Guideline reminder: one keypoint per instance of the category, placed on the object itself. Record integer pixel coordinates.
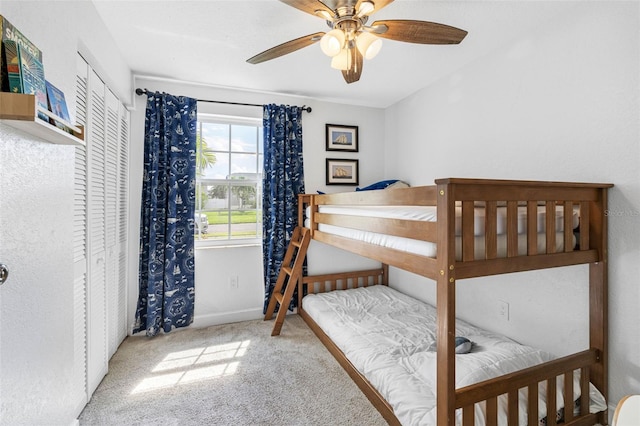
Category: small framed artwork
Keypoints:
(342, 172)
(342, 138)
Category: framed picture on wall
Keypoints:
(342, 172)
(342, 138)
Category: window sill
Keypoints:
(226, 245)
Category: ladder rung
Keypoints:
(287, 270)
(296, 243)
(278, 297)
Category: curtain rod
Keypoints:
(141, 92)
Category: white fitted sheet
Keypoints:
(389, 337)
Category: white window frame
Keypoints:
(231, 120)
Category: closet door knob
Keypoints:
(4, 273)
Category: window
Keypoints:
(229, 180)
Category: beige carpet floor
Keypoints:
(232, 374)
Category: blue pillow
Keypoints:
(378, 185)
(463, 345)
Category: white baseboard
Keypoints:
(202, 321)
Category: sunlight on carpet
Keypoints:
(190, 365)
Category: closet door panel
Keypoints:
(97, 359)
(112, 149)
(80, 240)
(123, 214)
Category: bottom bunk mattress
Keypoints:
(390, 338)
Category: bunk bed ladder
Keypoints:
(288, 277)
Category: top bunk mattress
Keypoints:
(391, 338)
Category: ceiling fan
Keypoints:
(350, 39)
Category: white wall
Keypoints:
(560, 104)
(571, 87)
(215, 301)
(36, 315)
(36, 239)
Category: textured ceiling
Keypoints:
(209, 41)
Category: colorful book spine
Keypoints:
(12, 58)
(9, 32)
(33, 81)
(57, 105)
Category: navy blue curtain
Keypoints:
(283, 180)
(166, 277)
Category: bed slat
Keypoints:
(468, 415)
(491, 231)
(551, 401)
(584, 226)
(492, 412)
(532, 228)
(468, 231)
(512, 228)
(550, 226)
(568, 402)
(532, 404)
(567, 214)
(584, 391)
(512, 408)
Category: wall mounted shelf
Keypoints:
(19, 111)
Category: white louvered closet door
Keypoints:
(123, 227)
(112, 149)
(101, 225)
(80, 241)
(116, 292)
(97, 358)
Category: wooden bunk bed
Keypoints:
(455, 236)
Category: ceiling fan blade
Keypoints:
(309, 6)
(352, 74)
(284, 48)
(420, 32)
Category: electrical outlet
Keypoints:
(233, 281)
(503, 310)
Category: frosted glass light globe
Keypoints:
(368, 44)
(331, 43)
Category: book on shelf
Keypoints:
(9, 32)
(33, 81)
(12, 58)
(57, 105)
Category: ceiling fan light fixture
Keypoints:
(365, 8)
(332, 42)
(368, 44)
(341, 60)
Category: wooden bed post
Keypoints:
(598, 297)
(385, 274)
(446, 305)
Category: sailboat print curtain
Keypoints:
(166, 277)
(283, 180)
